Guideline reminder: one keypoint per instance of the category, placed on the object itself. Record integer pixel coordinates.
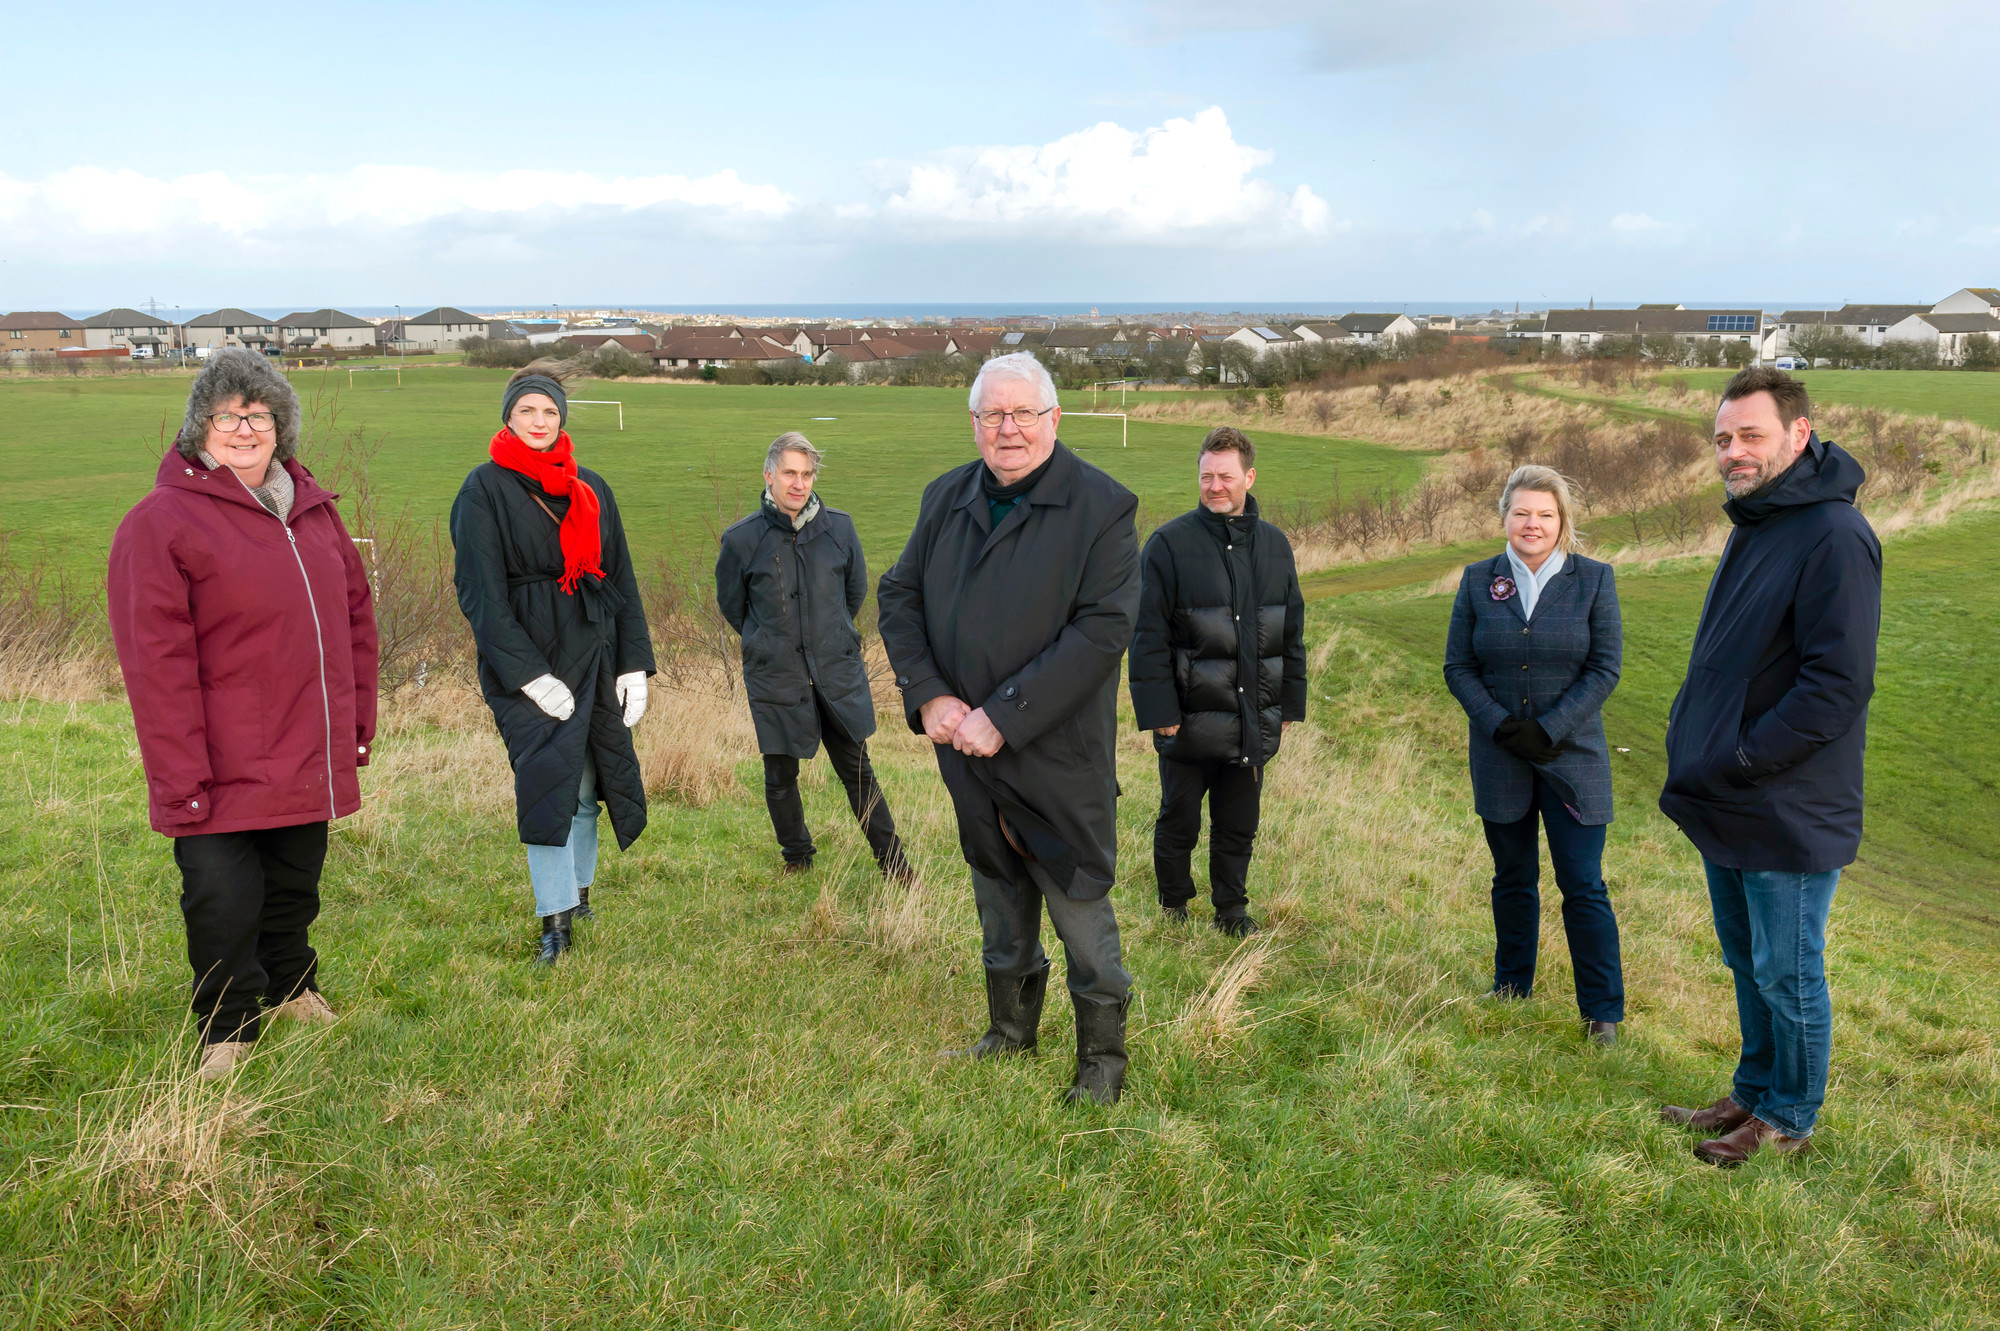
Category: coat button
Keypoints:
(1524, 667)
(903, 682)
(1021, 706)
(1007, 692)
(194, 804)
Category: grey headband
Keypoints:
(535, 383)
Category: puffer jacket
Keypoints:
(792, 593)
(248, 647)
(1204, 577)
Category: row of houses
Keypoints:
(137, 333)
(1945, 326)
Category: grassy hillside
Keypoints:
(687, 463)
(726, 1108)
(1950, 393)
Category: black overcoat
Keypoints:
(1766, 737)
(792, 593)
(1203, 576)
(1556, 667)
(509, 558)
(1027, 620)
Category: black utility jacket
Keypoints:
(1204, 578)
(525, 626)
(1027, 620)
(1765, 741)
(793, 594)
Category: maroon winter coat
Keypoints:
(248, 648)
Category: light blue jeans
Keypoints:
(558, 871)
(1772, 927)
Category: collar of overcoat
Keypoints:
(1561, 586)
(179, 473)
(1052, 491)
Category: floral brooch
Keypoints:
(1502, 589)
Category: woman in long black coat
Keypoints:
(545, 579)
(1533, 651)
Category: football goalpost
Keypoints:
(602, 402)
(1119, 416)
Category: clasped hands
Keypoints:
(948, 720)
(1527, 741)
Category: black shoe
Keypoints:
(555, 937)
(896, 869)
(1014, 1014)
(1100, 1052)
(799, 866)
(1174, 914)
(1601, 1032)
(1236, 926)
(583, 910)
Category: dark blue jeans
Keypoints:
(1577, 852)
(1772, 927)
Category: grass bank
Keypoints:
(726, 1109)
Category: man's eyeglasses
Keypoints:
(227, 421)
(1024, 417)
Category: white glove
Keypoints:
(632, 696)
(552, 696)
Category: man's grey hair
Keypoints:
(1020, 366)
(231, 373)
(791, 441)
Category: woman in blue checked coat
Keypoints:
(1532, 654)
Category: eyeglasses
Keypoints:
(1024, 417)
(227, 421)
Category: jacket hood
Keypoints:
(1824, 471)
(1220, 524)
(180, 473)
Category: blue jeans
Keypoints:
(558, 871)
(1577, 853)
(1772, 927)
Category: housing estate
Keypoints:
(137, 333)
(324, 330)
(27, 331)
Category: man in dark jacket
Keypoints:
(1004, 620)
(790, 579)
(1764, 748)
(1218, 671)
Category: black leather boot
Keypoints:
(1100, 1051)
(555, 937)
(583, 910)
(1014, 1014)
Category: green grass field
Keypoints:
(688, 462)
(1951, 393)
(726, 1110)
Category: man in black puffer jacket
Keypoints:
(1764, 748)
(1218, 671)
(790, 579)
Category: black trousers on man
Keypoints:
(864, 796)
(1234, 794)
(248, 899)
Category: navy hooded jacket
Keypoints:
(1765, 740)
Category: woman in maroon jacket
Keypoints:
(246, 633)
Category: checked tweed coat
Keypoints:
(1557, 668)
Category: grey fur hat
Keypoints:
(232, 373)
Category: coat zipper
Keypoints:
(319, 635)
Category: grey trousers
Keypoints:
(1010, 920)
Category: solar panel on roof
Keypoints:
(1732, 323)
(1267, 334)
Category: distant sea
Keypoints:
(806, 310)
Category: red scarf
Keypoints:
(555, 471)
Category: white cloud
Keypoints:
(1185, 180)
(75, 212)
(1344, 35)
(1643, 228)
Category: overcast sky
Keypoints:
(1177, 151)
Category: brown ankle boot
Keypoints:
(1722, 1116)
(1733, 1148)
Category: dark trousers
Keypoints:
(248, 899)
(1010, 926)
(864, 796)
(1235, 793)
(1577, 852)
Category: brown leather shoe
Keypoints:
(1722, 1116)
(1733, 1148)
(1601, 1032)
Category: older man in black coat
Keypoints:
(1005, 620)
(1218, 671)
(1764, 748)
(789, 579)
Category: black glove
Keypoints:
(1527, 741)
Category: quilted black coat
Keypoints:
(792, 593)
(525, 626)
(1027, 620)
(1204, 578)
